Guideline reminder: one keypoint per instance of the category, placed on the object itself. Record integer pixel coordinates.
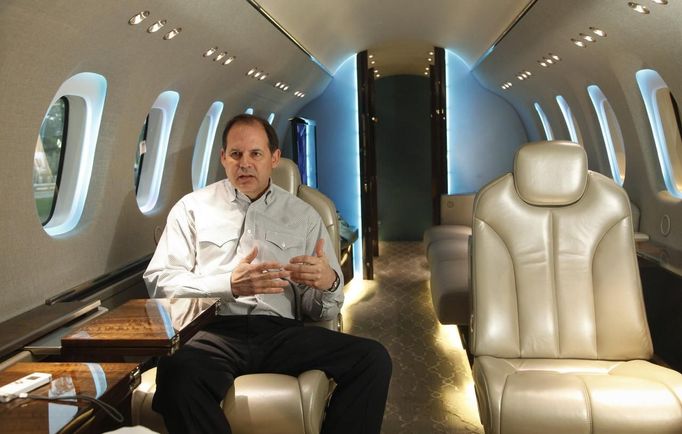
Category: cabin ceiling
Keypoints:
(399, 33)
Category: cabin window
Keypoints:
(271, 118)
(571, 123)
(664, 117)
(545, 122)
(61, 173)
(151, 150)
(48, 159)
(203, 145)
(610, 130)
(249, 111)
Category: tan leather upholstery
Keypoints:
(447, 251)
(267, 403)
(256, 404)
(558, 315)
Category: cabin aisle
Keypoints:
(431, 388)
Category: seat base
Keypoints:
(565, 396)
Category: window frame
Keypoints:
(602, 108)
(203, 145)
(571, 123)
(544, 120)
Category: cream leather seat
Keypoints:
(267, 403)
(559, 332)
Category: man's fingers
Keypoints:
(250, 257)
(265, 266)
(319, 248)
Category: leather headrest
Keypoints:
(286, 175)
(550, 173)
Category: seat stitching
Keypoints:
(552, 263)
(588, 402)
(516, 284)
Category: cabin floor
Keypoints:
(431, 390)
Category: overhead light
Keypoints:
(257, 74)
(251, 71)
(210, 51)
(528, 73)
(542, 63)
(638, 8)
(548, 60)
(588, 38)
(520, 77)
(372, 62)
(220, 56)
(430, 59)
(660, 2)
(430, 53)
(555, 57)
(156, 26)
(426, 73)
(371, 56)
(229, 60)
(378, 76)
(263, 77)
(173, 33)
(427, 68)
(598, 32)
(579, 43)
(137, 19)
(285, 88)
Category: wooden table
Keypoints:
(109, 382)
(148, 327)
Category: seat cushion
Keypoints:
(538, 396)
(258, 403)
(459, 235)
(450, 290)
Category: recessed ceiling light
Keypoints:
(373, 62)
(588, 38)
(378, 75)
(426, 73)
(542, 63)
(579, 43)
(263, 77)
(137, 19)
(520, 77)
(548, 60)
(598, 32)
(173, 33)
(220, 56)
(555, 57)
(430, 53)
(660, 2)
(229, 60)
(285, 88)
(430, 59)
(257, 74)
(371, 56)
(156, 26)
(251, 71)
(528, 73)
(639, 8)
(210, 51)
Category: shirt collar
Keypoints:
(234, 195)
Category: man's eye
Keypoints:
(257, 154)
(235, 155)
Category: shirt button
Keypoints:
(284, 245)
(248, 231)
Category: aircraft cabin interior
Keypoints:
(501, 182)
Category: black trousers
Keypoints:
(191, 383)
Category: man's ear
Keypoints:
(275, 158)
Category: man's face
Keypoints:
(247, 159)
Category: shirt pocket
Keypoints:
(286, 242)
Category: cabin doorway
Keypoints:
(403, 149)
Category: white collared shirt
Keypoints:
(210, 230)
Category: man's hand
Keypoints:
(313, 271)
(263, 278)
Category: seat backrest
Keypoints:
(287, 176)
(456, 209)
(554, 268)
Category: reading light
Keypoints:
(371, 56)
(543, 64)
(156, 26)
(285, 88)
(520, 77)
(229, 60)
(588, 38)
(137, 19)
(210, 51)
(548, 60)
(430, 53)
(639, 8)
(251, 71)
(660, 2)
(173, 33)
(257, 74)
(528, 73)
(580, 44)
(378, 76)
(555, 57)
(372, 62)
(430, 59)
(426, 73)
(220, 56)
(263, 77)
(598, 32)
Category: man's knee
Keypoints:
(381, 359)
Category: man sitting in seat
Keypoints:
(255, 246)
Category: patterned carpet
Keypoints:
(431, 388)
